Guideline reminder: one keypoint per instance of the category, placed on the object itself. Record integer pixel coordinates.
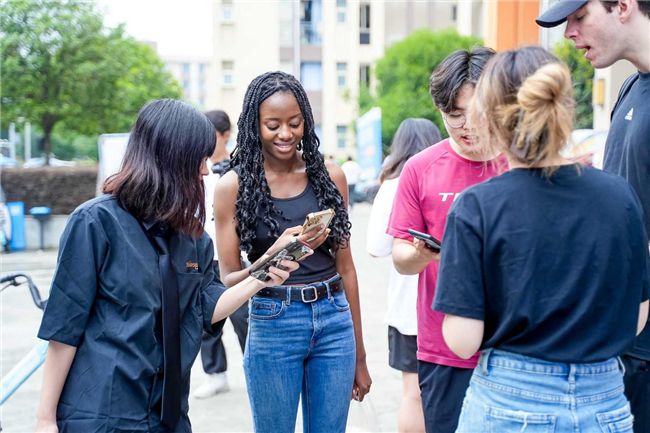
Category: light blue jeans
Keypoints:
(515, 393)
(296, 348)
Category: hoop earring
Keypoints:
(299, 145)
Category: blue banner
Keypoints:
(369, 154)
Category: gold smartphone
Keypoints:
(323, 217)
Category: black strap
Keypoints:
(171, 392)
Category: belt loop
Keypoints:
(288, 296)
(483, 361)
(621, 366)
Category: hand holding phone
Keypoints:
(294, 250)
(323, 218)
(432, 243)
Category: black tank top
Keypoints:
(317, 267)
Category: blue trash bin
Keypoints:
(17, 215)
(41, 214)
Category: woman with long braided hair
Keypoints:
(305, 337)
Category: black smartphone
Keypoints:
(432, 243)
(294, 250)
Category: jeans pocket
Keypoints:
(340, 301)
(506, 421)
(266, 308)
(616, 421)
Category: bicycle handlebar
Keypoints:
(12, 279)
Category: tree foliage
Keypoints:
(61, 68)
(582, 75)
(403, 78)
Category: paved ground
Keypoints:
(227, 412)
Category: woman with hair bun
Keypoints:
(544, 268)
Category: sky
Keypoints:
(179, 27)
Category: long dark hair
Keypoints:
(412, 136)
(254, 196)
(160, 174)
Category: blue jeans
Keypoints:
(296, 348)
(515, 393)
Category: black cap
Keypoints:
(558, 13)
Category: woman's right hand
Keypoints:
(46, 426)
(279, 274)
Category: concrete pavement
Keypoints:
(227, 412)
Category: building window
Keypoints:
(185, 67)
(341, 136)
(227, 72)
(311, 18)
(340, 10)
(364, 24)
(454, 13)
(311, 75)
(226, 12)
(341, 75)
(364, 76)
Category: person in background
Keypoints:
(134, 287)
(544, 268)
(428, 185)
(610, 31)
(305, 338)
(213, 352)
(412, 136)
(352, 171)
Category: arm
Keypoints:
(235, 296)
(225, 196)
(410, 258)
(57, 364)
(463, 335)
(345, 267)
(378, 243)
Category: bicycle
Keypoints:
(35, 357)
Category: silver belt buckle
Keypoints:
(308, 300)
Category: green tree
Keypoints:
(582, 75)
(403, 78)
(61, 68)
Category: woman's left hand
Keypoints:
(315, 236)
(362, 381)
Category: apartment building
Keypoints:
(330, 45)
(192, 75)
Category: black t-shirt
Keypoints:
(555, 267)
(627, 153)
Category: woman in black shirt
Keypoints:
(544, 268)
(134, 287)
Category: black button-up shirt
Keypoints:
(106, 300)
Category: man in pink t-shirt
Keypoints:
(429, 183)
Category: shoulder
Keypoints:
(428, 157)
(228, 183)
(607, 184)
(99, 206)
(335, 172)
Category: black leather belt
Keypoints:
(307, 293)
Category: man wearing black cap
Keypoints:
(610, 31)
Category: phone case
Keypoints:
(294, 250)
(323, 217)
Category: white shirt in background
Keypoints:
(210, 182)
(402, 289)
